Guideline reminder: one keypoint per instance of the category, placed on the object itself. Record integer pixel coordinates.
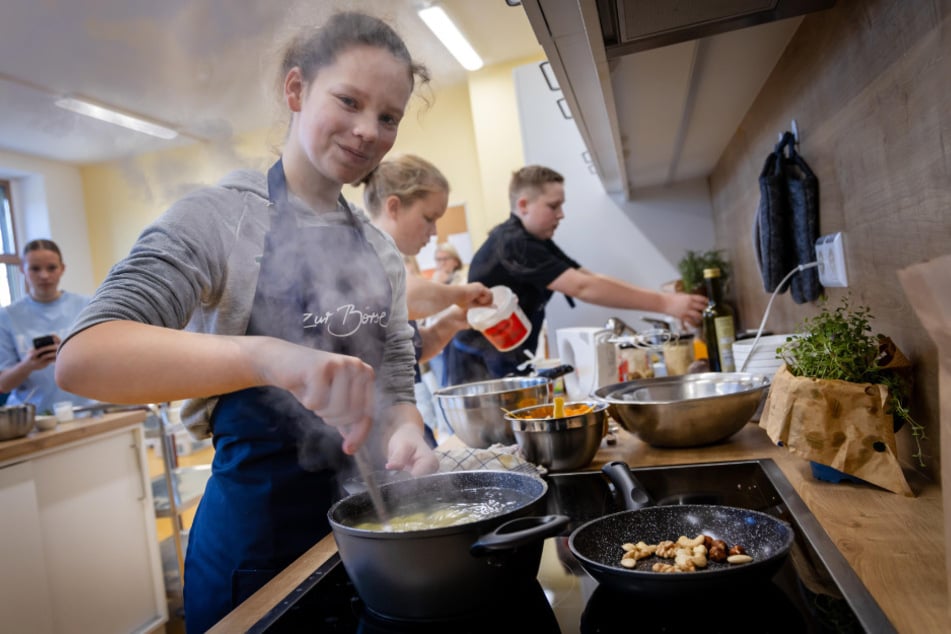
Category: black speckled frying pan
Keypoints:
(597, 544)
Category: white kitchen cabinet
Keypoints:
(78, 541)
(23, 581)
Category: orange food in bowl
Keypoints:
(548, 411)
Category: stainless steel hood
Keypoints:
(630, 26)
(658, 88)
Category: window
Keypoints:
(11, 282)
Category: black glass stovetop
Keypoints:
(814, 592)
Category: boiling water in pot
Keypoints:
(442, 513)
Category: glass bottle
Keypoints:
(719, 328)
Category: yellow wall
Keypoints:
(498, 140)
(122, 197)
(470, 131)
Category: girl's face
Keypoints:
(413, 225)
(447, 262)
(347, 116)
(541, 214)
(43, 270)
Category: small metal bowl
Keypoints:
(475, 410)
(559, 444)
(16, 421)
(691, 410)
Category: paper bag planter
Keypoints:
(841, 424)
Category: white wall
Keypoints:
(637, 241)
(48, 203)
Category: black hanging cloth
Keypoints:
(787, 221)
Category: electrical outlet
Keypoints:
(830, 252)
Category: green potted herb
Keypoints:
(693, 263)
(841, 395)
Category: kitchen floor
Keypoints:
(164, 529)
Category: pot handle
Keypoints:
(630, 488)
(521, 531)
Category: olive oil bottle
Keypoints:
(719, 327)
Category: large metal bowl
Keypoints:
(475, 411)
(560, 444)
(685, 411)
(16, 420)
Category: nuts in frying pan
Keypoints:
(717, 553)
(688, 554)
(635, 552)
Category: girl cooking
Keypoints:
(280, 313)
(406, 196)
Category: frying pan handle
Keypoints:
(521, 531)
(634, 494)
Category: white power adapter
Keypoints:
(830, 253)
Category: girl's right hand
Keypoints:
(474, 294)
(39, 358)
(338, 388)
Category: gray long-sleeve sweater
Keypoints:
(196, 267)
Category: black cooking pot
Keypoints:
(597, 544)
(447, 572)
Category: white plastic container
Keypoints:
(763, 359)
(63, 411)
(503, 323)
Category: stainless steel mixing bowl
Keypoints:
(475, 411)
(560, 444)
(16, 420)
(685, 411)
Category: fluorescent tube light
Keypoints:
(117, 118)
(440, 24)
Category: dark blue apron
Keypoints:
(273, 474)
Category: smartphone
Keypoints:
(42, 342)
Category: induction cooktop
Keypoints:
(815, 590)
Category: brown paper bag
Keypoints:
(837, 423)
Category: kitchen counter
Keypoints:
(37, 442)
(894, 543)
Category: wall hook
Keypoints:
(795, 132)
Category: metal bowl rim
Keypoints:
(591, 418)
(450, 391)
(603, 393)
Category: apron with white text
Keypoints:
(273, 474)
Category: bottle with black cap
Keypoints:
(719, 327)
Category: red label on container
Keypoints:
(507, 334)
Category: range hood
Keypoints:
(630, 26)
(657, 88)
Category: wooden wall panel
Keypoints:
(869, 83)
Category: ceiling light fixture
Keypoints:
(96, 111)
(440, 24)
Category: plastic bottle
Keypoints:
(719, 327)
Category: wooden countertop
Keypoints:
(894, 543)
(41, 441)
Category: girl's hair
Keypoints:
(42, 245)
(408, 177)
(317, 47)
(531, 178)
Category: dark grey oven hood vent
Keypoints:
(630, 26)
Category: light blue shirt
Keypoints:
(20, 323)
